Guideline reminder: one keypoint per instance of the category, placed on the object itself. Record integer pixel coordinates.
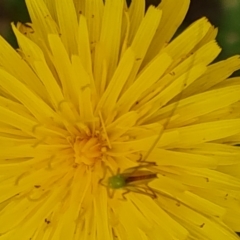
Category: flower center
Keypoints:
(87, 150)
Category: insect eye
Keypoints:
(117, 181)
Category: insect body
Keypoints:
(134, 179)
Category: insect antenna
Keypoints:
(177, 79)
(175, 100)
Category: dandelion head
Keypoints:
(112, 127)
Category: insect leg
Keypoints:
(141, 161)
(142, 190)
(105, 173)
(110, 192)
(143, 165)
(124, 193)
(141, 158)
(147, 164)
(151, 190)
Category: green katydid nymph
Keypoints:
(133, 179)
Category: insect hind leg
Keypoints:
(148, 164)
(151, 190)
(148, 191)
(145, 163)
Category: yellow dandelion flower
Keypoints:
(99, 90)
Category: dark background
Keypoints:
(224, 14)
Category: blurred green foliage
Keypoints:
(229, 34)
